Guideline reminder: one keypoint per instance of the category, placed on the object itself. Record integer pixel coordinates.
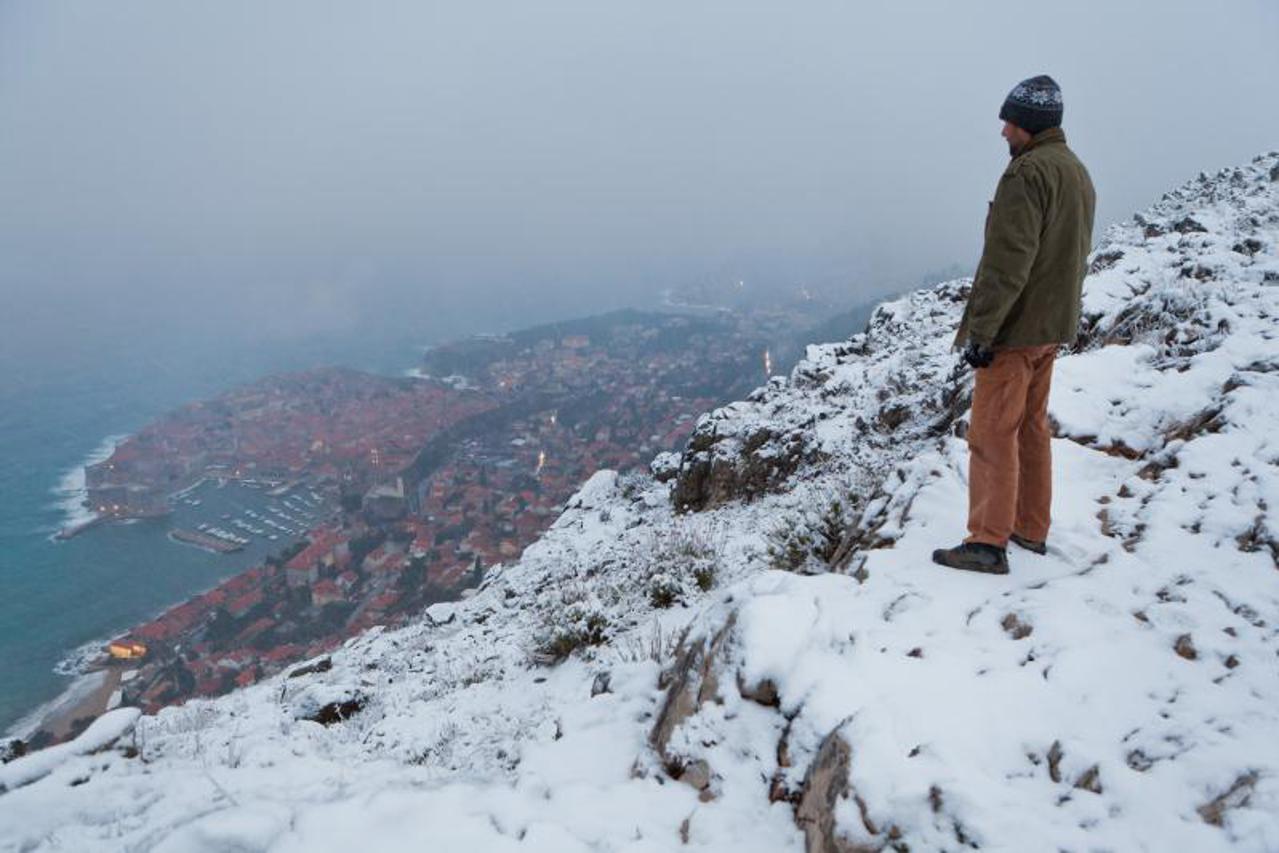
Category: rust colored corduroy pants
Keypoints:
(1009, 447)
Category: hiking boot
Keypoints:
(973, 557)
(1029, 544)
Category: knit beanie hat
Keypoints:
(1033, 105)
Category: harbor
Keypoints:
(233, 519)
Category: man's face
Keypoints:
(1015, 137)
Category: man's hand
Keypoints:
(978, 356)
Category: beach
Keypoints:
(86, 698)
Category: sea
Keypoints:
(61, 600)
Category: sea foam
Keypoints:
(79, 660)
(70, 492)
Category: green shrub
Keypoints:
(807, 541)
(664, 591)
(575, 627)
(704, 576)
(683, 560)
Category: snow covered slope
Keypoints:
(751, 650)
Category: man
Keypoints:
(1024, 303)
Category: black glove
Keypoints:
(978, 356)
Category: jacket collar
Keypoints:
(1044, 137)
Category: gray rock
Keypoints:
(321, 665)
(1236, 796)
(698, 774)
(1015, 627)
(665, 467)
(826, 784)
(1090, 780)
(691, 681)
(765, 692)
(718, 467)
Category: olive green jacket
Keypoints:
(1038, 234)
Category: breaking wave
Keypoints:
(78, 660)
(70, 492)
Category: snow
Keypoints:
(1119, 693)
(441, 613)
(101, 733)
(1089, 676)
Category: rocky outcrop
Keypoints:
(721, 465)
(1155, 275)
(689, 683)
(825, 786)
(856, 403)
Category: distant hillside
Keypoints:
(841, 326)
(476, 353)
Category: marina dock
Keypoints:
(204, 540)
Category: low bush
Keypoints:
(807, 541)
(580, 625)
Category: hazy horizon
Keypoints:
(285, 171)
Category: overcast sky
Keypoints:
(292, 168)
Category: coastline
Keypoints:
(91, 703)
(53, 430)
(91, 695)
(86, 665)
(70, 492)
(87, 696)
(93, 676)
